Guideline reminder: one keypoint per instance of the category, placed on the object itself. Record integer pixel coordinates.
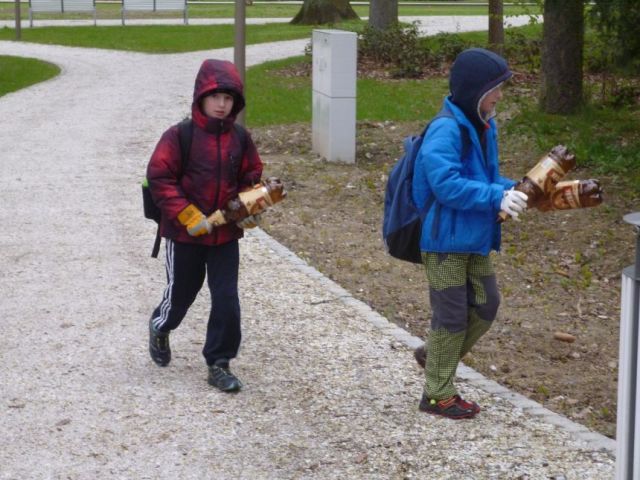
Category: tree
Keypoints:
(496, 26)
(18, 21)
(562, 43)
(617, 22)
(316, 12)
(383, 13)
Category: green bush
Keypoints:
(397, 46)
(448, 46)
(522, 49)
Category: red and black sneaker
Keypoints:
(454, 407)
(466, 404)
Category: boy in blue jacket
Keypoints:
(457, 173)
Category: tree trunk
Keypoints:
(562, 44)
(317, 12)
(496, 26)
(383, 13)
(18, 21)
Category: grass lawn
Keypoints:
(605, 138)
(156, 38)
(18, 72)
(274, 98)
(258, 10)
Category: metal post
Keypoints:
(628, 421)
(239, 48)
(18, 21)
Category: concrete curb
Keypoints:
(593, 439)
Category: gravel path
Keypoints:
(331, 391)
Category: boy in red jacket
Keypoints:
(221, 164)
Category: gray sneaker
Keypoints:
(221, 377)
(159, 347)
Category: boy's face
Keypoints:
(217, 105)
(490, 100)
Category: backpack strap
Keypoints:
(243, 137)
(466, 145)
(185, 136)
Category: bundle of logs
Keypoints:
(250, 202)
(546, 191)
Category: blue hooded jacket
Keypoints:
(458, 174)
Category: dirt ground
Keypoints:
(558, 271)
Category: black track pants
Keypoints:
(186, 266)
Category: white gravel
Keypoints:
(331, 391)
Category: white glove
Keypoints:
(513, 203)
(251, 221)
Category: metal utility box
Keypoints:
(628, 419)
(334, 95)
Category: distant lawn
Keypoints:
(18, 72)
(157, 38)
(260, 10)
(274, 98)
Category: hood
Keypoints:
(475, 72)
(218, 75)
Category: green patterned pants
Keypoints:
(464, 301)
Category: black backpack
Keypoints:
(185, 135)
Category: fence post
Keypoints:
(628, 418)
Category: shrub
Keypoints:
(397, 46)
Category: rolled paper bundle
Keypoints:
(573, 194)
(541, 180)
(250, 202)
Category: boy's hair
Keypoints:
(228, 91)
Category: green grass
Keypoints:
(604, 138)
(276, 99)
(273, 98)
(257, 10)
(17, 73)
(157, 39)
(399, 100)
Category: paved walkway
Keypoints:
(331, 389)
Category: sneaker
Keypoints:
(159, 348)
(420, 355)
(455, 407)
(472, 405)
(221, 377)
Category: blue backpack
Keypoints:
(402, 221)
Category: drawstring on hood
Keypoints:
(474, 73)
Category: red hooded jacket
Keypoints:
(216, 171)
